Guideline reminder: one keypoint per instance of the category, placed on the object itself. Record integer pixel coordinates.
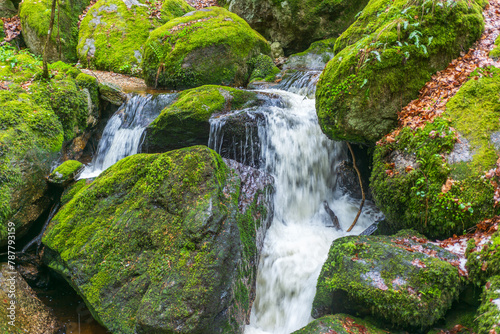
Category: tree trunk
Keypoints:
(45, 49)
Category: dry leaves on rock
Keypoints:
(11, 27)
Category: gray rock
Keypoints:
(112, 93)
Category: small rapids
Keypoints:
(303, 162)
(122, 134)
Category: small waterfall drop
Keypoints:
(122, 134)
(303, 162)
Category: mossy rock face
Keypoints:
(30, 315)
(314, 58)
(409, 174)
(186, 121)
(263, 69)
(483, 259)
(488, 315)
(72, 190)
(296, 23)
(340, 324)
(113, 33)
(208, 46)
(7, 9)
(33, 126)
(65, 173)
(495, 53)
(35, 19)
(385, 58)
(157, 244)
(392, 278)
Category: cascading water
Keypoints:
(122, 134)
(303, 162)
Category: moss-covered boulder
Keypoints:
(34, 123)
(495, 53)
(427, 180)
(340, 324)
(404, 280)
(157, 244)
(35, 19)
(112, 93)
(314, 58)
(64, 174)
(28, 314)
(488, 315)
(295, 24)
(263, 69)
(113, 33)
(208, 46)
(483, 258)
(186, 121)
(7, 9)
(384, 59)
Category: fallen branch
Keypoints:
(360, 184)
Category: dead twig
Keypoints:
(360, 184)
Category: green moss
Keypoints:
(385, 58)
(72, 190)
(181, 235)
(186, 122)
(66, 172)
(263, 69)
(488, 315)
(495, 53)
(174, 8)
(483, 262)
(35, 18)
(340, 324)
(92, 85)
(2, 34)
(378, 275)
(211, 46)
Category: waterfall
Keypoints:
(122, 134)
(303, 162)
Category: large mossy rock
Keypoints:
(208, 46)
(186, 121)
(428, 180)
(157, 244)
(28, 314)
(35, 19)
(295, 24)
(488, 315)
(402, 279)
(483, 258)
(113, 33)
(385, 58)
(33, 126)
(7, 9)
(339, 324)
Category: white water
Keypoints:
(122, 135)
(302, 160)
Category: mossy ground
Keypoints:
(35, 19)
(186, 121)
(413, 197)
(384, 59)
(212, 46)
(378, 275)
(34, 123)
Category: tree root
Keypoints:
(360, 184)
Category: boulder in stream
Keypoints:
(208, 46)
(186, 121)
(30, 315)
(339, 324)
(384, 58)
(163, 243)
(403, 279)
(66, 173)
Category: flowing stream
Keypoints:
(303, 162)
(122, 134)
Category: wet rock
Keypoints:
(186, 121)
(407, 281)
(66, 173)
(209, 46)
(462, 151)
(166, 247)
(314, 58)
(31, 315)
(277, 50)
(340, 324)
(112, 93)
